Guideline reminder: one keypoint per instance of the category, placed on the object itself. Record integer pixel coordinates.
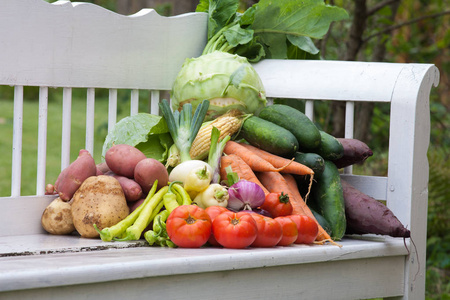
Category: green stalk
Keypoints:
(215, 152)
(145, 217)
(212, 44)
(183, 127)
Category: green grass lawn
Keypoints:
(30, 137)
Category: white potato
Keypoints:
(100, 200)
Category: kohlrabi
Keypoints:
(281, 29)
(227, 80)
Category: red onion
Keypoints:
(245, 195)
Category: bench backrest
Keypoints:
(80, 45)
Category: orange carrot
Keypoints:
(256, 162)
(241, 168)
(288, 165)
(276, 182)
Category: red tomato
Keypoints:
(189, 226)
(213, 212)
(270, 231)
(307, 229)
(290, 231)
(277, 204)
(234, 230)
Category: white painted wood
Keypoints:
(309, 109)
(66, 127)
(330, 80)
(22, 215)
(408, 170)
(298, 281)
(154, 102)
(134, 104)
(100, 266)
(112, 109)
(374, 186)
(349, 127)
(16, 177)
(90, 116)
(42, 141)
(93, 47)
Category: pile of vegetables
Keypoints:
(220, 167)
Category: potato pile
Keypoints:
(102, 194)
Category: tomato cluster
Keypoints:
(190, 226)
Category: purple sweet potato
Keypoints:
(355, 151)
(131, 188)
(123, 158)
(147, 171)
(365, 215)
(71, 178)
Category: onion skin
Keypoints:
(245, 195)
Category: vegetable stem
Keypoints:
(109, 233)
(183, 126)
(145, 217)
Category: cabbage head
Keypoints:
(227, 80)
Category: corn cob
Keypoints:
(228, 124)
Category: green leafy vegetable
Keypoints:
(149, 133)
(268, 28)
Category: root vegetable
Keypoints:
(71, 178)
(103, 168)
(131, 188)
(100, 200)
(147, 171)
(123, 158)
(355, 151)
(365, 214)
(57, 217)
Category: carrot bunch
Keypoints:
(272, 172)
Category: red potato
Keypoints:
(131, 188)
(355, 151)
(147, 171)
(365, 214)
(103, 167)
(50, 189)
(123, 158)
(71, 178)
(133, 205)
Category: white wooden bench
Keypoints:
(79, 45)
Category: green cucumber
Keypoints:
(321, 220)
(328, 195)
(330, 148)
(269, 137)
(312, 160)
(304, 130)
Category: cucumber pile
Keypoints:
(285, 131)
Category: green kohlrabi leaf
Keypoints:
(220, 12)
(149, 133)
(248, 16)
(297, 21)
(236, 35)
(303, 42)
(295, 52)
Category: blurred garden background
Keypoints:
(403, 31)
